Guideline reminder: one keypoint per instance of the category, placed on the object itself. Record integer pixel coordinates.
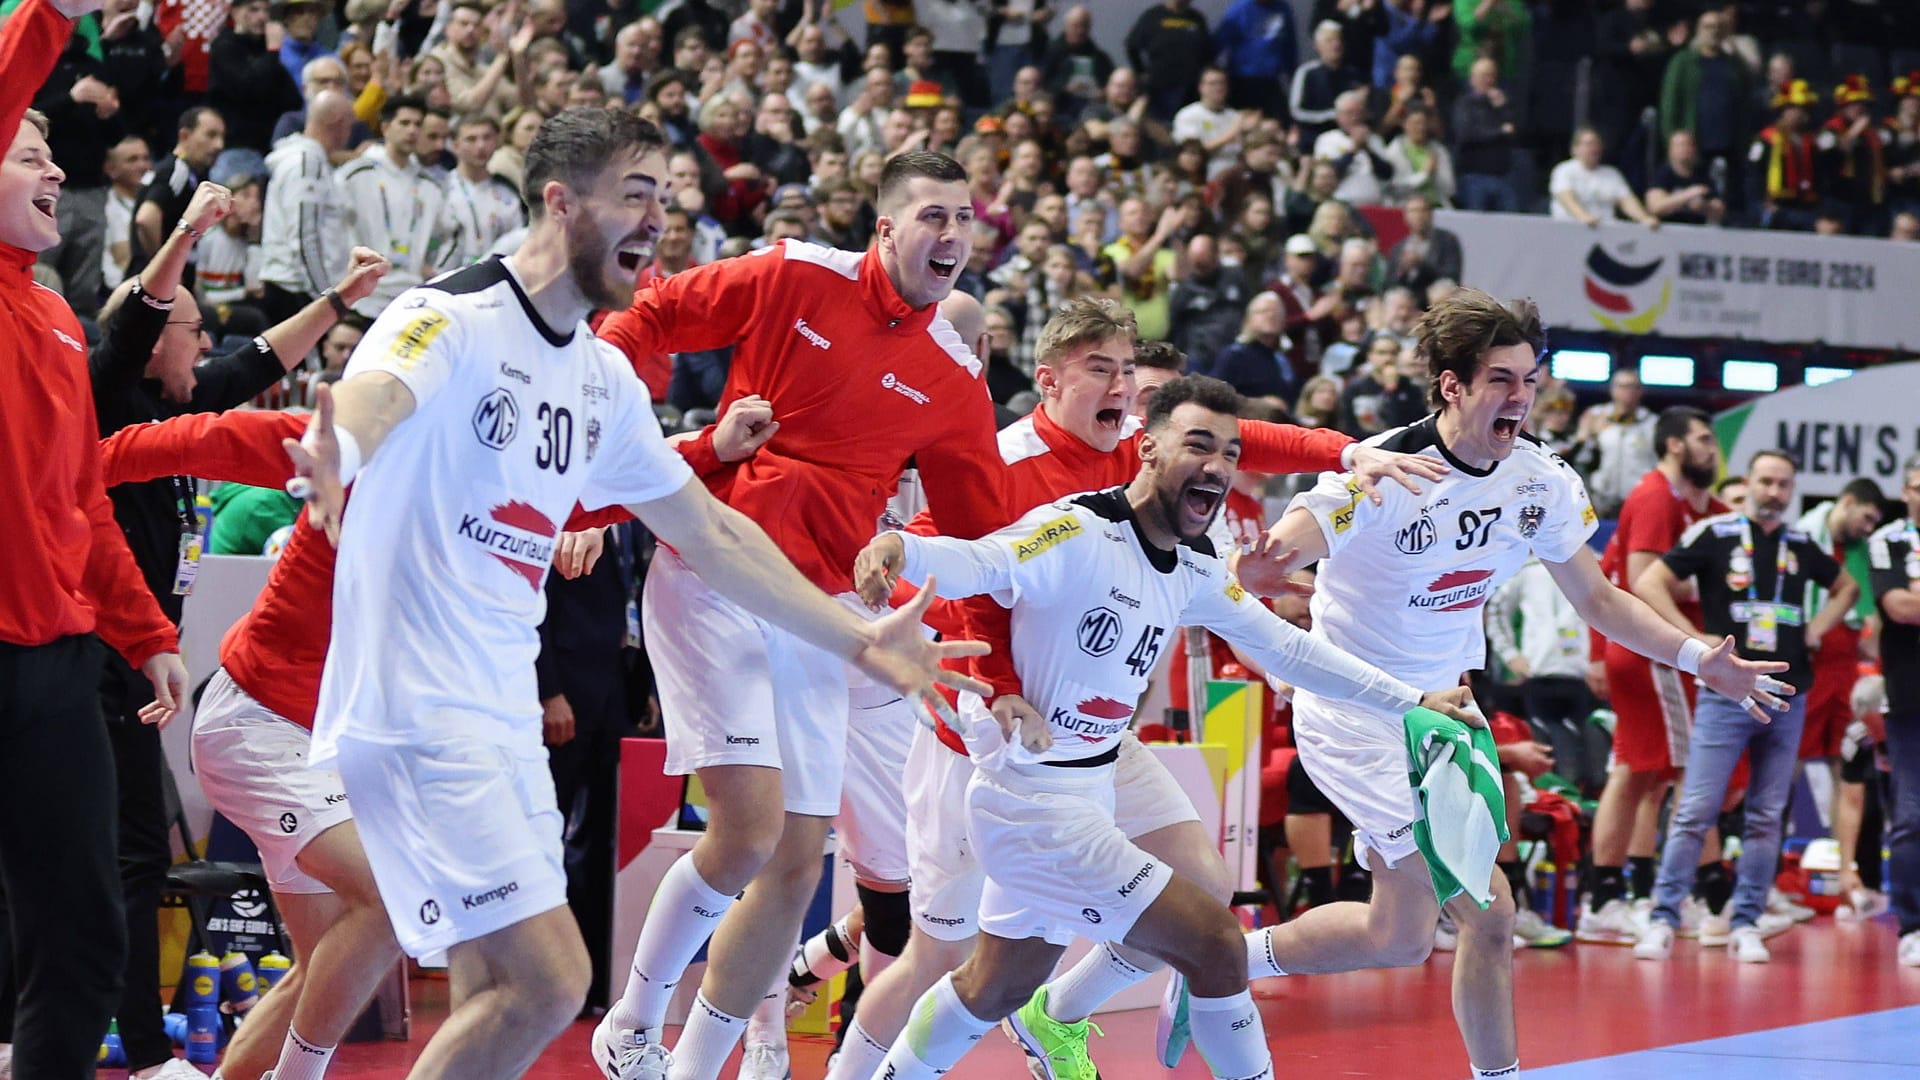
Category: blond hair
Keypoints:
(1083, 320)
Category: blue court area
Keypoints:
(1872, 1046)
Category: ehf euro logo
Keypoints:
(1622, 293)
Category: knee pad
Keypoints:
(889, 918)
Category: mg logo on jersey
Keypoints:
(1455, 590)
(1099, 632)
(496, 419)
(517, 535)
(1416, 538)
(813, 337)
(892, 383)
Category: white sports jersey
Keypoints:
(446, 543)
(477, 214)
(1093, 604)
(1404, 582)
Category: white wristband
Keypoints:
(1691, 650)
(1346, 456)
(349, 456)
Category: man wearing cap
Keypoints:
(299, 21)
(1783, 178)
(1856, 149)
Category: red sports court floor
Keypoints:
(1592, 1005)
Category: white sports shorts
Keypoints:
(252, 764)
(946, 880)
(872, 826)
(1057, 865)
(1357, 757)
(463, 837)
(735, 690)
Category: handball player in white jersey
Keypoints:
(483, 408)
(1402, 584)
(1096, 585)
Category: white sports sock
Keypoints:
(300, 1059)
(681, 918)
(768, 1024)
(873, 962)
(938, 1035)
(706, 1042)
(824, 955)
(1260, 961)
(1479, 1073)
(1086, 986)
(860, 1056)
(1229, 1034)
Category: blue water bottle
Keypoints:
(270, 970)
(239, 990)
(112, 1054)
(203, 979)
(175, 1025)
(203, 1034)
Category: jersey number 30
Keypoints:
(556, 439)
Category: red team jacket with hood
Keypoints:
(68, 569)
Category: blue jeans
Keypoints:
(1721, 730)
(1903, 830)
(1483, 191)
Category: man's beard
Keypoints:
(1700, 476)
(587, 249)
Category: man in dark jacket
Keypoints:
(246, 81)
(83, 107)
(1207, 303)
(1168, 46)
(1483, 142)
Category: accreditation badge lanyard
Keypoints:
(1763, 620)
(186, 569)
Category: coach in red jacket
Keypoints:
(68, 574)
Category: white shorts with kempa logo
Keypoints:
(252, 764)
(1057, 864)
(1357, 757)
(463, 837)
(736, 690)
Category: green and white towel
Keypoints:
(1455, 770)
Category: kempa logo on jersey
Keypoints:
(814, 337)
(891, 383)
(515, 374)
(1138, 879)
(1117, 596)
(1455, 590)
(488, 897)
(519, 536)
(742, 740)
(1055, 532)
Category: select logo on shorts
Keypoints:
(430, 912)
(288, 823)
(1099, 632)
(483, 899)
(411, 343)
(517, 535)
(1048, 536)
(1455, 590)
(496, 420)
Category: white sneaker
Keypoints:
(1656, 943)
(762, 1061)
(626, 1054)
(1530, 931)
(1613, 924)
(170, 1069)
(1446, 936)
(1693, 912)
(1909, 953)
(1745, 945)
(1714, 929)
(1779, 904)
(1773, 924)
